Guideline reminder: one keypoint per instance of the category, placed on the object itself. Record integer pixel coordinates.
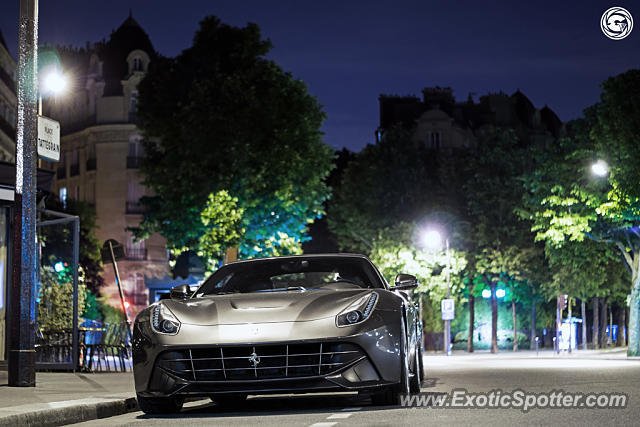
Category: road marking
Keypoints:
(323, 425)
(339, 416)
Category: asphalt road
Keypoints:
(583, 373)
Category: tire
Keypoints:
(159, 405)
(391, 395)
(416, 380)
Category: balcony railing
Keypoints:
(137, 254)
(91, 164)
(134, 208)
(74, 170)
(134, 162)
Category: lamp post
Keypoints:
(22, 354)
(433, 239)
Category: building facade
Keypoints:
(101, 152)
(8, 107)
(438, 121)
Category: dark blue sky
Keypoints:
(348, 52)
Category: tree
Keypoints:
(501, 241)
(222, 117)
(57, 241)
(567, 204)
(395, 180)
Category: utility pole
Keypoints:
(22, 354)
(447, 323)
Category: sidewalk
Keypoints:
(65, 398)
(617, 353)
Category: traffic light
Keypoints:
(562, 301)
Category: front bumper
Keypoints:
(197, 362)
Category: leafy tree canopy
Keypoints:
(222, 117)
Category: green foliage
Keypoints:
(395, 251)
(110, 314)
(55, 301)
(222, 117)
(92, 307)
(222, 219)
(57, 241)
(568, 205)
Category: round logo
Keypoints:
(616, 23)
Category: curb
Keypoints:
(68, 412)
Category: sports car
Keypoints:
(293, 324)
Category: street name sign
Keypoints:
(448, 309)
(48, 139)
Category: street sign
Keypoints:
(48, 139)
(448, 309)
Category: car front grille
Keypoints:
(259, 362)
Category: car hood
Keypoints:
(264, 307)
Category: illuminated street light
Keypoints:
(432, 239)
(500, 293)
(54, 82)
(600, 168)
(486, 293)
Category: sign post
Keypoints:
(22, 353)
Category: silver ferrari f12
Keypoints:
(295, 324)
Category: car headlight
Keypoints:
(357, 312)
(164, 321)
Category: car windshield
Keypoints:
(291, 274)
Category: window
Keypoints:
(137, 64)
(435, 140)
(91, 156)
(135, 250)
(135, 191)
(63, 196)
(75, 163)
(133, 102)
(136, 152)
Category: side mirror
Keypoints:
(405, 282)
(180, 292)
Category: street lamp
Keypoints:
(53, 82)
(433, 239)
(600, 168)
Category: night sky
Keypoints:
(349, 52)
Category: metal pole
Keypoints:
(115, 271)
(22, 355)
(447, 323)
(76, 256)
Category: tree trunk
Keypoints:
(596, 323)
(472, 314)
(623, 328)
(634, 310)
(570, 315)
(583, 306)
(494, 318)
(603, 322)
(515, 325)
(532, 335)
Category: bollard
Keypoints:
(536, 346)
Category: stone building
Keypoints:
(438, 121)
(8, 103)
(101, 151)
